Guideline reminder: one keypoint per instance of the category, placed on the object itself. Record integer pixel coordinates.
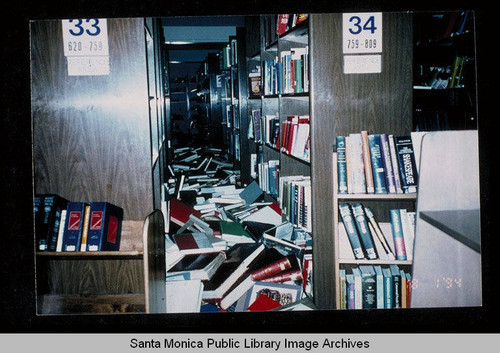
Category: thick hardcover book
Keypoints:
(105, 227)
(357, 164)
(369, 286)
(238, 258)
(408, 232)
(73, 226)
(358, 288)
(263, 303)
(387, 160)
(251, 193)
(352, 233)
(286, 276)
(378, 170)
(394, 159)
(407, 165)
(388, 288)
(341, 165)
(180, 211)
(364, 232)
(281, 265)
(234, 232)
(365, 147)
(396, 286)
(85, 230)
(397, 233)
(198, 242)
(48, 220)
(379, 278)
(197, 266)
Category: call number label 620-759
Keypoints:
(85, 37)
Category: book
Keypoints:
(350, 291)
(276, 267)
(396, 286)
(183, 296)
(105, 225)
(387, 161)
(251, 193)
(180, 212)
(379, 279)
(85, 229)
(197, 266)
(286, 276)
(284, 294)
(48, 208)
(378, 170)
(378, 233)
(341, 165)
(61, 231)
(369, 287)
(343, 289)
(397, 233)
(263, 303)
(367, 163)
(198, 242)
(394, 160)
(73, 226)
(388, 288)
(358, 288)
(352, 233)
(363, 231)
(280, 238)
(407, 164)
(234, 232)
(357, 164)
(408, 232)
(238, 258)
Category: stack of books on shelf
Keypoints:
(376, 163)
(276, 25)
(295, 136)
(362, 237)
(375, 287)
(63, 225)
(268, 176)
(295, 200)
(287, 74)
(233, 248)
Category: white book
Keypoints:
(357, 165)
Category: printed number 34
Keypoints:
(357, 28)
(92, 27)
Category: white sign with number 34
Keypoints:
(362, 32)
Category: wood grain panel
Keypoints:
(91, 137)
(343, 104)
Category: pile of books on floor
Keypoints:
(229, 249)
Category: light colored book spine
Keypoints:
(367, 163)
(408, 233)
(61, 231)
(357, 165)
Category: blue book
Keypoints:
(388, 288)
(358, 288)
(379, 279)
(73, 226)
(396, 286)
(341, 165)
(105, 227)
(397, 234)
(363, 231)
(406, 163)
(377, 164)
(352, 233)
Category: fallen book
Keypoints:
(197, 266)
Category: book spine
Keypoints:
(341, 165)
(394, 160)
(369, 290)
(379, 234)
(365, 146)
(408, 233)
(350, 292)
(388, 167)
(343, 289)
(295, 275)
(358, 288)
(377, 164)
(358, 172)
(396, 285)
(352, 233)
(363, 231)
(379, 279)
(407, 165)
(388, 288)
(61, 231)
(274, 268)
(85, 229)
(73, 226)
(397, 233)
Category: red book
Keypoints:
(282, 25)
(263, 303)
(293, 275)
(272, 269)
(180, 211)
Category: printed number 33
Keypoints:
(92, 30)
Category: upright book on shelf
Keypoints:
(73, 226)
(105, 227)
(352, 233)
(48, 209)
(407, 164)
